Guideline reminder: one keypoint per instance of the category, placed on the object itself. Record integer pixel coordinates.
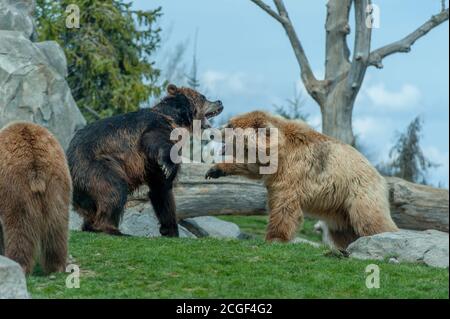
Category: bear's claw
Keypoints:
(167, 171)
(214, 173)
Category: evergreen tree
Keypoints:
(407, 159)
(110, 70)
(293, 110)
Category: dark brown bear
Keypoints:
(112, 157)
(35, 191)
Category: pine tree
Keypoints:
(293, 110)
(407, 159)
(110, 70)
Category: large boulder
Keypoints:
(138, 220)
(12, 280)
(16, 15)
(32, 78)
(429, 247)
(209, 226)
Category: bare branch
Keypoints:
(404, 45)
(268, 9)
(314, 87)
(361, 50)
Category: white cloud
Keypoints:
(365, 126)
(408, 95)
(230, 83)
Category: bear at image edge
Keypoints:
(35, 191)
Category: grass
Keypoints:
(255, 226)
(113, 267)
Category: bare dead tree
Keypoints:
(344, 72)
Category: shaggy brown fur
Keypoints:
(2, 244)
(318, 176)
(35, 192)
(112, 157)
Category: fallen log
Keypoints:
(196, 196)
(418, 207)
(413, 206)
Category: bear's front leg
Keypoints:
(284, 217)
(163, 203)
(214, 172)
(227, 169)
(168, 168)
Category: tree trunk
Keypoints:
(337, 115)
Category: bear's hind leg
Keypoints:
(368, 217)
(21, 239)
(342, 238)
(54, 249)
(84, 205)
(110, 199)
(109, 214)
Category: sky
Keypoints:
(245, 60)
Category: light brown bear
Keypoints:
(318, 176)
(35, 192)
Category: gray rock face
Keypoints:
(429, 247)
(55, 56)
(208, 226)
(137, 221)
(32, 78)
(12, 280)
(140, 221)
(16, 15)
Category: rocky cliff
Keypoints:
(32, 75)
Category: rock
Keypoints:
(55, 56)
(32, 75)
(429, 247)
(12, 280)
(75, 220)
(141, 221)
(16, 15)
(208, 226)
(393, 260)
(137, 221)
(299, 240)
(33, 87)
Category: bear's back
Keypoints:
(28, 150)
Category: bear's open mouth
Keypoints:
(213, 109)
(214, 113)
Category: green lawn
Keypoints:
(113, 267)
(255, 226)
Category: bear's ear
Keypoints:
(172, 89)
